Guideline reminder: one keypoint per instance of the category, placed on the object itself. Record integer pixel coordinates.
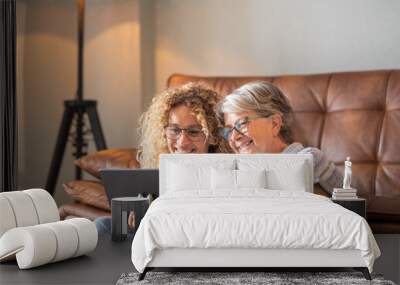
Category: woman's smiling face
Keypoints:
(184, 132)
(259, 135)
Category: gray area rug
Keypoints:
(225, 278)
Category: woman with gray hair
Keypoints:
(257, 119)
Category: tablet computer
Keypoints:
(130, 182)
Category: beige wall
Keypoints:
(48, 75)
(271, 37)
(48, 78)
(147, 47)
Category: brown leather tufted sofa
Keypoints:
(354, 114)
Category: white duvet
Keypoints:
(250, 219)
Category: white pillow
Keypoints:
(281, 174)
(251, 178)
(223, 179)
(292, 179)
(227, 179)
(186, 177)
(185, 174)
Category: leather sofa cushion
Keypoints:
(88, 192)
(81, 210)
(320, 191)
(109, 158)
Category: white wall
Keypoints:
(272, 37)
(48, 76)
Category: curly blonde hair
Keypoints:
(201, 99)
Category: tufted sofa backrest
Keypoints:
(354, 114)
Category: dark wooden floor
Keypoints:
(102, 266)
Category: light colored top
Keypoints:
(325, 172)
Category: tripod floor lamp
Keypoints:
(75, 110)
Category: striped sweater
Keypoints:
(325, 171)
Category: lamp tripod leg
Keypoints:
(96, 127)
(59, 149)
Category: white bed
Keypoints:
(214, 211)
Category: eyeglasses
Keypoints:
(194, 134)
(240, 126)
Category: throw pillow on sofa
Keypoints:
(88, 192)
(109, 158)
(76, 209)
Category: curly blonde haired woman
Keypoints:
(180, 120)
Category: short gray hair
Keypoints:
(264, 98)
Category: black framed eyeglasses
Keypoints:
(240, 126)
(194, 134)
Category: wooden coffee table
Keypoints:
(104, 265)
